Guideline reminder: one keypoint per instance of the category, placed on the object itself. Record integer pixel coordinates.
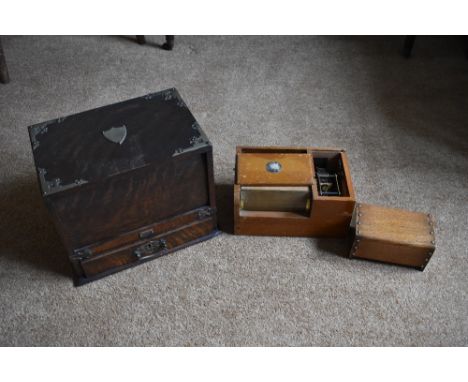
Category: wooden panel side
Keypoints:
(332, 217)
(328, 219)
(395, 253)
(132, 200)
(273, 226)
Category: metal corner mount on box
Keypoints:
(126, 183)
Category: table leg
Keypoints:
(169, 44)
(4, 77)
(141, 40)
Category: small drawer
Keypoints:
(145, 250)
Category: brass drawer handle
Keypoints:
(149, 249)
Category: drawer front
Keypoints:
(150, 231)
(145, 250)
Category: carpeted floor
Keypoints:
(403, 122)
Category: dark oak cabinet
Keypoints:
(126, 183)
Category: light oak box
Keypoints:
(392, 235)
(276, 192)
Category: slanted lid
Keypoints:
(393, 225)
(274, 169)
(96, 144)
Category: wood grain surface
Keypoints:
(107, 197)
(393, 235)
(326, 216)
(131, 200)
(125, 256)
(296, 169)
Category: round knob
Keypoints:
(273, 166)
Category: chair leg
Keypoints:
(465, 45)
(169, 44)
(408, 46)
(4, 76)
(141, 40)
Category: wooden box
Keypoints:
(392, 235)
(126, 183)
(277, 192)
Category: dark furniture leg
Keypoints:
(4, 77)
(141, 40)
(408, 46)
(169, 44)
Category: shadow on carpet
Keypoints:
(27, 233)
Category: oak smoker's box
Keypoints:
(292, 191)
(126, 183)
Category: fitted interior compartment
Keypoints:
(330, 173)
(296, 200)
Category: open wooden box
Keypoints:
(292, 191)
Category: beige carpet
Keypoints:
(403, 122)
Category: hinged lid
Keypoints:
(274, 169)
(393, 225)
(103, 142)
